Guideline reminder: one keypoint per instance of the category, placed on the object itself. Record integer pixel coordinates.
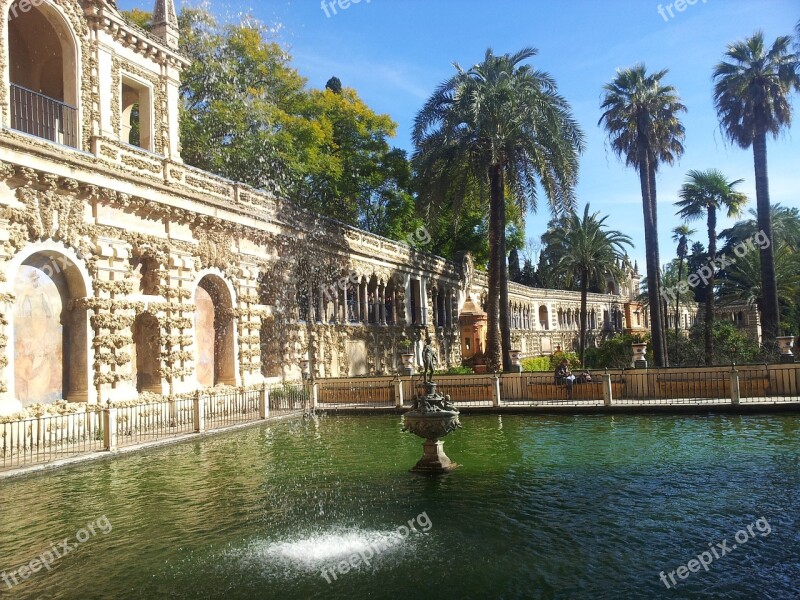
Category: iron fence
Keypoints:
(36, 114)
(48, 438)
(534, 389)
(147, 422)
(231, 407)
(769, 383)
(288, 398)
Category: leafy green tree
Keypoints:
(740, 283)
(641, 115)
(697, 259)
(785, 228)
(752, 89)
(589, 250)
(249, 116)
(334, 84)
(681, 234)
(703, 194)
(501, 125)
(140, 18)
(614, 352)
(528, 275)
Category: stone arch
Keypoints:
(544, 317)
(215, 331)
(43, 58)
(147, 353)
(50, 360)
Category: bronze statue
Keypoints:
(428, 359)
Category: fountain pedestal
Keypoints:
(432, 417)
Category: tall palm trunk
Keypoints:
(496, 242)
(770, 313)
(584, 293)
(651, 252)
(712, 257)
(499, 199)
(654, 212)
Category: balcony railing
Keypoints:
(44, 117)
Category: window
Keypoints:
(136, 114)
(42, 73)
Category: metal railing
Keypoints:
(48, 438)
(231, 407)
(146, 422)
(44, 117)
(288, 397)
(534, 389)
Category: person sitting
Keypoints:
(564, 376)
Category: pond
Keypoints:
(542, 507)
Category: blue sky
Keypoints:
(394, 53)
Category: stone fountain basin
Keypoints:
(431, 425)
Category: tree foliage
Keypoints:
(249, 116)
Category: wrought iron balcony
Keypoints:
(44, 117)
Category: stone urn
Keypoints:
(785, 344)
(516, 360)
(640, 355)
(408, 363)
(432, 417)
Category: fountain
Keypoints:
(432, 417)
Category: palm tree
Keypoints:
(587, 252)
(741, 283)
(500, 124)
(785, 223)
(797, 36)
(641, 117)
(704, 193)
(752, 88)
(681, 235)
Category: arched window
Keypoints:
(214, 330)
(43, 73)
(544, 318)
(51, 349)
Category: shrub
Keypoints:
(615, 352)
(456, 371)
(539, 363)
(549, 363)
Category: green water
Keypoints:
(542, 507)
